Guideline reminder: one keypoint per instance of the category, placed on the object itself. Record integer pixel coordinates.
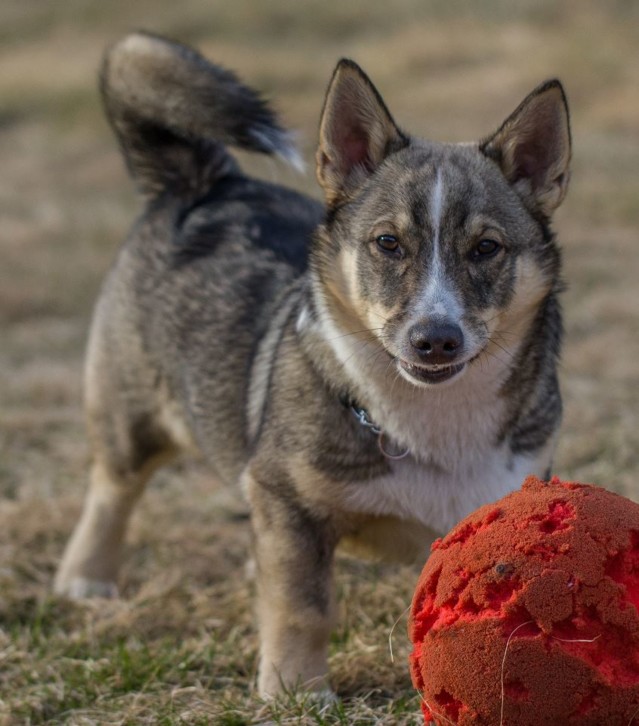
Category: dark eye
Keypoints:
(388, 243)
(484, 249)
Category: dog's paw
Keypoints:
(81, 588)
(324, 698)
(319, 702)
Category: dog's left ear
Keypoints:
(532, 148)
(356, 132)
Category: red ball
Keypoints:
(527, 613)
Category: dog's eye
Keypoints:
(388, 243)
(484, 249)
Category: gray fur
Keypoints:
(239, 317)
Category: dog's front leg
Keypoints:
(294, 549)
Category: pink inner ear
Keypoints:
(532, 161)
(354, 150)
(527, 165)
(538, 147)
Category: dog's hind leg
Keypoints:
(125, 456)
(129, 438)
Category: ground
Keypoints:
(180, 647)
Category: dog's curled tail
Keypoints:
(173, 111)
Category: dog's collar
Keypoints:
(362, 415)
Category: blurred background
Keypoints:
(449, 70)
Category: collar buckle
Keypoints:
(362, 415)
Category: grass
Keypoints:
(180, 647)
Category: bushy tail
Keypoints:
(173, 111)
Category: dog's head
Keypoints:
(443, 252)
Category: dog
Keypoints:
(370, 370)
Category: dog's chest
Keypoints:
(437, 498)
(453, 465)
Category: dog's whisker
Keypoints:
(496, 357)
(509, 353)
(379, 315)
(354, 332)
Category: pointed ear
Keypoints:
(532, 147)
(356, 131)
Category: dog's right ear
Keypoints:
(356, 132)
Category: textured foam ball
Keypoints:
(527, 612)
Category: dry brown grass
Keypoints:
(180, 646)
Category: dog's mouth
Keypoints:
(431, 374)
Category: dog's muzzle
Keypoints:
(435, 346)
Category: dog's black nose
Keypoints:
(436, 342)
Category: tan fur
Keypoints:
(373, 314)
(293, 635)
(234, 324)
(507, 325)
(388, 539)
(93, 554)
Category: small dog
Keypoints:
(371, 371)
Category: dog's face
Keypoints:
(441, 251)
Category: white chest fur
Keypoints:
(451, 430)
(436, 498)
(455, 462)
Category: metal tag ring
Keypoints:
(394, 457)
